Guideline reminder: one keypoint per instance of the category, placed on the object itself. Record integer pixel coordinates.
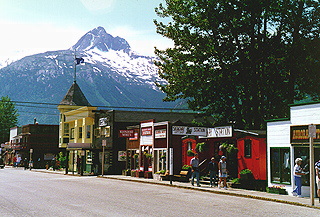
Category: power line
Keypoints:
(102, 106)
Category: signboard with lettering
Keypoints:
(147, 131)
(103, 121)
(300, 134)
(126, 133)
(183, 130)
(135, 137)
(218, 132)
(161, 133)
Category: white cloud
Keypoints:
(25, 39)
(98, 5)
(141, 41)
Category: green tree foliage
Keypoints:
(8, 118)
(240, 60)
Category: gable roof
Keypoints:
(75, 97)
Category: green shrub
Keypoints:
(201, 147)
(190, 153)
(186, 167)
(246, 171)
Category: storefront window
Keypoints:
(160, 159)
(88, 131)
(303, 153)
(72, 133)
(80, 132)
(280, 165)
(66, 129)
(247, 148)
(189, 146)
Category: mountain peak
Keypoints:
(100, 39)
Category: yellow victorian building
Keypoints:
(76, 132)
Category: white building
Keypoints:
(288, 139)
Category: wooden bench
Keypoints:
(182, 177)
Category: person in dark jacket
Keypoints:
(213, 168)
(25, 163)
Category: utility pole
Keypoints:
(75, 66)
(312, 135)
(104, 144)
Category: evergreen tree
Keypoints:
(240, 60)
(8, 118)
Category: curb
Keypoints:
(218, 192)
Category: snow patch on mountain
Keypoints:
(135, 68)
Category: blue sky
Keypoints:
(34, 26)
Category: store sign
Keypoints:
(183, 130)
(147, 131)
(300, 134)
(103, 121)
(218, 132)
(161, 133)
(126, 133)
(122, 155)
(135, 137)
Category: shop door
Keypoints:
(187, 145)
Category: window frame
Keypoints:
(247, 148)
(283, 176)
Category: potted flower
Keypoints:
(148, 174)
(126, 172)
(190, 153)
(157, 176)
(246, 174)
(139, 173)
(201, 147)
(186, 167)
(133, 173)
(277, 189)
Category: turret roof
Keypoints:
(75, 97)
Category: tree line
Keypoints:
(240, 60)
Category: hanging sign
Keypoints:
(161, 133)
(147, 131)
(183, 130)
(126, 133)
(103, 121)
(218, 132)
(300, 134)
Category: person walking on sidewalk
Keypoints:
(297, 177)
(223, 172)
(212, 171)
(317, 167)
(195, 169)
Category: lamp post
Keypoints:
(30, 161)
(104, 144)
(312, 135)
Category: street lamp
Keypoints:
(30, 161)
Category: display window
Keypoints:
(280, 165)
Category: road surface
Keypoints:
(28, 193)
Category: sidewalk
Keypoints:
(288, 199)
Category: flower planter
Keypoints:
(148, 175)
(157, 176)
(133, 173)
(139, 174)
(277, 190)
(126, 172)
(247, 176)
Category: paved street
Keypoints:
(25, 193)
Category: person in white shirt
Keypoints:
(297, 177)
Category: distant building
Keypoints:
(40, 142)
(84, 131)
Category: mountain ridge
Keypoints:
(113, 75)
